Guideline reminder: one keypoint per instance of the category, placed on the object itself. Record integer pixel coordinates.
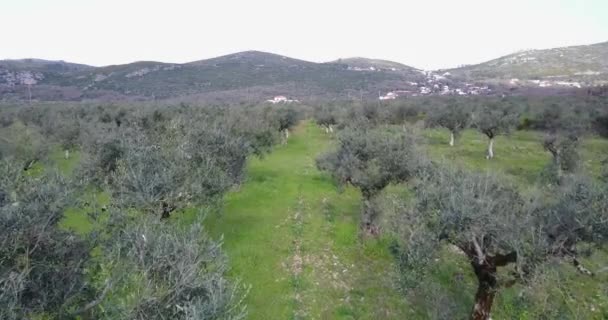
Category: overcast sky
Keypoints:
(424, 34)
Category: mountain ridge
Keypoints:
(586, 65)
(256, 75)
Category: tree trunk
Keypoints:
(451, 139)
(486, 290)
(67, 154)
(166, 210)
(286, 134)
(331, 129)
(368, 218)
(490, 149)
(327, 129)
(558, 166)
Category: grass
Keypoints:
(294, 238)
(519, 155)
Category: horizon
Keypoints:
(426, 36)
(291, 57)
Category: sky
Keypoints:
(423, 34)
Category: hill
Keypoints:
(240, 75)
(576, 66)
(365, 64)
(42, 65)
(254, 76)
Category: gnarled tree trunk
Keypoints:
(485, 267)
(369, 218)
(486, 290)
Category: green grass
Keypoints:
(77, 218)
(63, 164)
(519, 155)
(294, 238)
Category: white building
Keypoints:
(389, 96)
(281, 99)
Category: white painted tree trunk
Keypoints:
(286, 135)
(331, 129)
(67, 154)
(451, 139)
(327, 130)
(490, 149)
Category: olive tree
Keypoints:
(101, 148)
(23, 143)
(326, 119)
(493, 120)
(452, 117)
(563, 130)
(252, 126)
(178, 272)
(285, 119)
(163, 176)
(563, 149)
(43, 268)
(494, 227)
(371, 159)
(576, 216)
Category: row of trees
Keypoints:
(563, 121)
(136, 262)
(506, 236)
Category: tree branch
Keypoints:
(581, 268)
(95, 302)
(480, 255)
(501, 260)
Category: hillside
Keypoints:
(576, 66)
(33, 71)
(241, 76)
(42, 65)
(365, 64)
(254, 76)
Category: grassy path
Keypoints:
(293, 238)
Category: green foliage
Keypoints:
(156, 270)
(43, 268)
(285, 210)
(370, 160)
(495, 119)
(493, 226)
(453, 117)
